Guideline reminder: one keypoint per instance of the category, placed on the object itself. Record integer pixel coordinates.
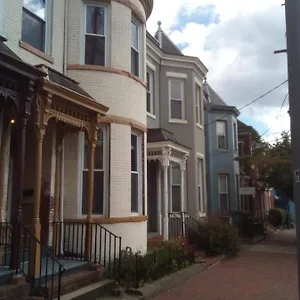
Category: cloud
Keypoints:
(236, 41)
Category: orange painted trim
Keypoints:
(135, 219)
(78, 67)
(37, 52)
(124, 121)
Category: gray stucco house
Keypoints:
(176, 163)
(223, 175)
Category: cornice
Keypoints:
(148, 7)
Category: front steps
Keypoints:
(155, 242)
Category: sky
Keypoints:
(236, 40)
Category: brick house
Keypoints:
(84, 138)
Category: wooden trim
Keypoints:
(134, 219)
(124, 121)
(37, 52)
(78, 67)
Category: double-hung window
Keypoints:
(150, 92)
(198, 106)
(135, 48)
(176, 97)
(235, 137)
(222, 134)
(176, 188)
(34, 23)
(136, 172)
(100, 173)
(95, 35)
(223, 193)
(200, 184)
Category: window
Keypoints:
(235, 137)
(176, 96)
(221, 134)
(135, 55)
(150, 92)
(198, 105)
(223, 193)
(200, 184)
(241, 148)
(237, 182)
(100, 173)
(95, 30)
(176, 188)
(136, 173)
(34, 23)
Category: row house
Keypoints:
(223, 178)
(73, 127)
(176, 165)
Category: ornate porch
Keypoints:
(167, 168)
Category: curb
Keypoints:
(166, 283)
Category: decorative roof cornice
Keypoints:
(148, 6)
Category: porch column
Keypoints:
(159, 215)
(166, 152)
(88, 237)
(57, 188)
(35, 261)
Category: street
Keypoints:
(264, 271)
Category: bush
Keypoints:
(137, 269)
(216, 237)
(277, 217)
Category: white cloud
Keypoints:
(238, 51)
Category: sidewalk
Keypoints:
(265, 271)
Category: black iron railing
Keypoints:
(5, 243)
(101, 247)
(30, 258)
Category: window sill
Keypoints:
(222, 150)
(151, 116)
(37, 52)
(199, 126)
(178, 121)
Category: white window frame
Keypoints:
(183, 82)
(200, 183)
(151, 92)
(175, 185)
(139, 171)
(105, 172)
(235, 138)
(242, 149)
(225, 135)
(48, 25)
(135, 21)
(198, 101)
(106, 55)
(227, 189)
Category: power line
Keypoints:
(277, 115)
(250, 103)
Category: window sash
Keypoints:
(198, 105)
(91, 56)
(137, 41)
(200, 183)
(136, 172)
(221, 134)
(150, 92)
(223, 177)
(176, 100)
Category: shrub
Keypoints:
(277, 217)
(216, 237)
(137, 269)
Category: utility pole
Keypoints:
(292, 13)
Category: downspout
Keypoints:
(65, 48)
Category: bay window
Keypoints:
(136, 172)
(223, 193)
(222, 134)
(34, 23)
(100, 174)
(95, 35)
(135, 49)
(176, 98)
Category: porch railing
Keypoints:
(103, 248)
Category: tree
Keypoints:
(273, 163)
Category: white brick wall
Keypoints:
(120, 167)
(124, 96)
(12, 31)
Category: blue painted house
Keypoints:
(223, 173)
